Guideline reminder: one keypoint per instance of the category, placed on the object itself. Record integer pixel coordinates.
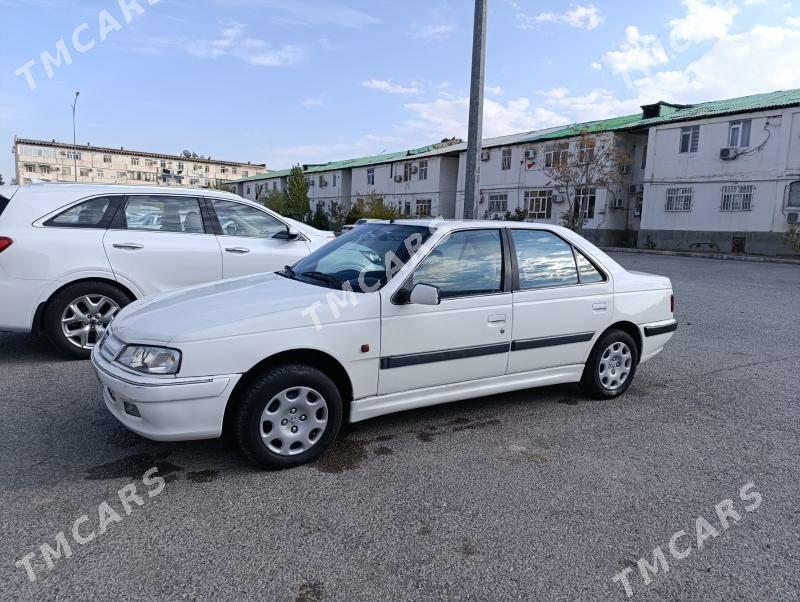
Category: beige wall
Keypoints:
(54, 164)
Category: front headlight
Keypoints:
(150, 360)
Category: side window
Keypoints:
(164, 214)
(237, 219)
(89, 214)
(587, 273)
(544, 260)
(466, 263)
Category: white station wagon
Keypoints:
(72, 255)
(387, 317)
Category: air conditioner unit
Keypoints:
(398, 178)
(793, 218)
(530, 153)
(558, 198)
(414, 169)
(727, 154)
(485, 155)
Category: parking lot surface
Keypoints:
(540, 494)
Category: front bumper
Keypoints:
(171, 409)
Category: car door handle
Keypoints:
(237, 250)
(497, 319)
(600, 306)
(131, 246)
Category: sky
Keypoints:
(288, 81)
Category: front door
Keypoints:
(253, 241)
(467, 336)
(158, 242)
(562, 301)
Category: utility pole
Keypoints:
(74, 142)
(475, 128)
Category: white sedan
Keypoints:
(72, 255)
(388, 317)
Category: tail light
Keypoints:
(5, 242)
(672, 304)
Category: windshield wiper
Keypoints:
(288, 272)
(323, 277)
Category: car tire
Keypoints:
(611, 366)
(84, 296)
(288, 416)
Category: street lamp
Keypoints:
(74, 143)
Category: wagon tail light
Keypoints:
(5, 242)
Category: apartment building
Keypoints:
(52, 161)
(722, 175)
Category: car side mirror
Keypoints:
(424, 294)
(288, 234)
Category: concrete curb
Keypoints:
(724, 256)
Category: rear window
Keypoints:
(3, 204)
(94, 213)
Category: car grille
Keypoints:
(110, 347)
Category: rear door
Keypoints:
(253, 240)
(561, 302)
(160, 242)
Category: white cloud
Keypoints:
(639, 52)
(596, 66)
(793, 21)
(703, 21)
(762, 59)
(582, 16)
(232, 42)
(311, 102)
(445, 117)
(433, 31)
(495, 90)
(390, 87)
(329, 150)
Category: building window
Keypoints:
(335, 177)
(85, 172)
(690, 139)
(245, 173)
(556, 154)
(679, 199)
(30, 168)
(406, 172)
(586, 151)
(223, 170)
(423, 207)
(407, 208)
(739, 135)
(100, 173)
(506, 165)
(44, 169)
(321, 181)
(66, 171)
(205, 168)
(163, 164)
(180, 166)
(135, 161)
(106, 158)
(73, 155)
(371, 176)
(737, 198)
(423, 170)
(234, 170)
(498, 203)
(539, 204)
(644, 157)
(793, 201)
(584, 202)
(122, 175)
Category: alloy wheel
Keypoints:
(85, 320)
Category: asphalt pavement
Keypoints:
(536, 495)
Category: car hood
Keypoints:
(258, 303)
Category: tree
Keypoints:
(1, 180)
(297, 199)
(320, 220)
(597, 162)
(222, 186)
(356, 212)
(277, 201)
(792, 239)
(374, 206)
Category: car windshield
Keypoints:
(363, 259)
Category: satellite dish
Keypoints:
(187, 154)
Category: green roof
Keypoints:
(731, 106)
(669, 113)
